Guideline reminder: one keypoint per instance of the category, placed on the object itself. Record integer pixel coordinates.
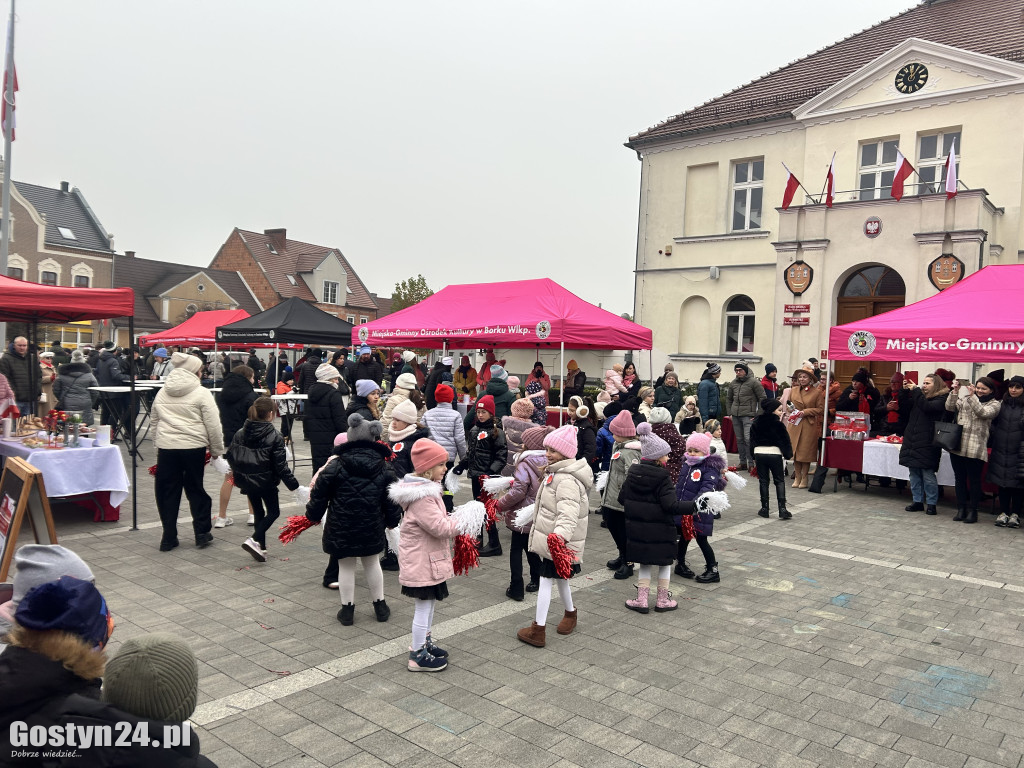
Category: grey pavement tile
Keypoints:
(317, 742)
(390, 746)
(940, 755)
(651, 756)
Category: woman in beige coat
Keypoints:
(974, 412)
(405, 385)
(561, 508)
(808, 403)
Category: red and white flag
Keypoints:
(903, 171)
(830, 183)
(951, 180)
(792, 185)
(3, 110)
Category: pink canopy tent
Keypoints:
(514, 315)
(974, 320)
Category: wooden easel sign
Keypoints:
(21, 491)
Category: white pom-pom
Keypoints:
(497, 486)
(523, 517)
(602, 481)
(394, 536)
(736, 481)
(221, 465)
(302, 494)
(469, 518)
(713, 501)
(288, 453)
(451, 482)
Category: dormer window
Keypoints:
(330, 292)
(270, 247)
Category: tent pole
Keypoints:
(133, 434)
(824, 419)
(561, 395)
(215, 361)
(650, 362)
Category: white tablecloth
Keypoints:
(883, 460)
(71, 471)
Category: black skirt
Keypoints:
(547, 569)
(435, 592)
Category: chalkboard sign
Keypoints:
(21, 491)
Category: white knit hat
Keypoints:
(405, 411)
(406, 381)
(327, 372)
(408, 356)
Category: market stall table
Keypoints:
(882, 459)
(290, 402)
(111, 396)
(94, 471)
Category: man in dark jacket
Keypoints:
(114, 404)
(325, 414)
(893, 410)
(305, 376)
(743, 397)
(918, 453)
(366, 367)
(442, 366)
(395, 370)
(21, 367)
(61, 356)
(257, 365)
(234, 399)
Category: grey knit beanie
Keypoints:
(153, 676)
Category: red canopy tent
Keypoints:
(514, 315)
(200, 329)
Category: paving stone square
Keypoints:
(856, 634)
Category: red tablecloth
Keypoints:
(553, 418)
(847, 455)
(99, 503)
(729, 435)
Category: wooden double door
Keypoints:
(850, 310)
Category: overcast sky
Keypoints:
(469, 141)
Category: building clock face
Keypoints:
(911, 78)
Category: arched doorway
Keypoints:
(869, 291)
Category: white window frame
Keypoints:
(748, 188)
(351, 319)
(743, 316)
(935, 166)
(17, 262)
(49, 265)
(882, 171)
(363, 319)
(81, 269)
(334, 287)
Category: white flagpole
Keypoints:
(5, 213)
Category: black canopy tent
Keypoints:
(293, 321)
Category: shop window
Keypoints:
(747, 194)
(739, 325)
(877, 168)
(932, 151)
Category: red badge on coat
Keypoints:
(616, 455)
(481, 436)
(695, 475)
(548, 479)
(397, 447)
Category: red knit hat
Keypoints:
(427, 454)
(486, 403)
(444, 393)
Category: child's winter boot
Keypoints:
(710, 575)
(639, 603)
(665, 601)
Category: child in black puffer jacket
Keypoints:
(258, 463)
(487, 455)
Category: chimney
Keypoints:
(277, 237)
(64, 187)
(130, 254)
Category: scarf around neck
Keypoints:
(400, 434)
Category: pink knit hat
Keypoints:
(533, 438)
(562, 440)
(701, 441)
(427, 454)
(622, 425)
(522, 409)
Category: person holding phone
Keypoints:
(974, 412)
(918, 453)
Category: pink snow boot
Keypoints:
(639, 603)
(665, 602)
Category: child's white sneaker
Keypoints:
(251, 520)
(254, 549)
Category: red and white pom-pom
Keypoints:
(466, 555)
(491, 506)
(288, 455)
(689, 532)
(601, 481)
(295, 525)
(152, 470)
(713, 501)
(736, 481)
(561, 555)
(451, 483)
(469, 518)
(302, 494)
(221, 465)
(522, 517)
(394, 537)
(498, 486)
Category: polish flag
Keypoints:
(792, 185)
(951, 181)
(903, 171)
(830, 183)
(3, 109)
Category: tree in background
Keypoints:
(626, 316)
(409, 292)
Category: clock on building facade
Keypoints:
(911, 78)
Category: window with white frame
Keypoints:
(48, 278)
(17, 272)
(17, 266)
(49, 272)
(363, 319)
(81, 275)
(932, 151)
(877, 168)
(739, 325)
(351, 319)
(747, 194)
(330, 292)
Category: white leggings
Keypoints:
(664, 572)
(544, 598)
(422, 620)
(347, 578)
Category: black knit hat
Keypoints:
(861, 377)
(770, 368)
(771, 405)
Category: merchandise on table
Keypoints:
(850, 425)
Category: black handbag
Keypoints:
(948, 435)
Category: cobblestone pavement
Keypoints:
(856, 634)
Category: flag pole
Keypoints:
(825, 185)
(806, 191)
(5, 213)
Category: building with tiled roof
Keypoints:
(277, 268)
(725, 273)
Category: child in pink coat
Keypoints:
(424, 549)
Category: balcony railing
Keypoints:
(883, 193)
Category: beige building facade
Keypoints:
(724, 274)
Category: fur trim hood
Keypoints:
(76, 655)
(716, 462)
(412, 488)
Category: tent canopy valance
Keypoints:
(513, 315)
(25, 302)
(293, 321)
(199, 329)
(976, 320)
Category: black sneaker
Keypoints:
(380, 607)
(515, 591)
(167, 546)
(931, 510)
(389, 562)
(533, 586)
(682, 570)
(614, 565)
(440, 653)
(710, 576)
(762, 512)
(785, 514)
(916, 506)
(625, 571)
(424, 661)
(204, 540)
(347, 614)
